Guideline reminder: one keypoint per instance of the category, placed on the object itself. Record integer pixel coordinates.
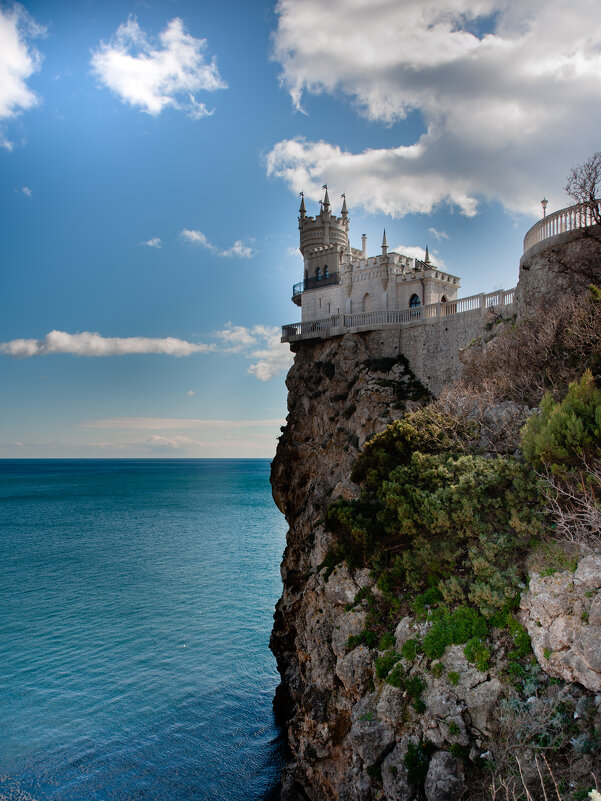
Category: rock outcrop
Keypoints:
(562, 613)
(349, 732)
(356, 733)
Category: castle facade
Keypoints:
(339, 279)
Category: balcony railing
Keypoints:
(569, 219)
(338, 324)
(315, 283)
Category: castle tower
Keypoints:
(323, 239)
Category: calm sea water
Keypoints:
(136, 602)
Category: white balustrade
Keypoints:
(569, 219)
(339, 323)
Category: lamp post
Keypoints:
(543, 203)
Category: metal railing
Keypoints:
(340, 323)
(569, 219)
(315, 283)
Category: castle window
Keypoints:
(443, 299)
(318, 274)
(326, 272)
(414, 301)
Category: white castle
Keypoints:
(342, 281)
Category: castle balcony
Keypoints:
(313, 283)
(339, 324)
(572, 218)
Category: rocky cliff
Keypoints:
(354, 732)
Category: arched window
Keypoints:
(366, 305)
(318, 274)
(414, 301)
(326, 272)
(443, 299)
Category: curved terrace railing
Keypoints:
(569, 219)
(338, 324)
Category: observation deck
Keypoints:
(572, 218)
(339, 324)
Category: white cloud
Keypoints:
(191, 392)
(238, 249)
(155, 242)
(415, 252)
(19, 59)
(155, 78)
(259, 343)
(175, 443)
(26, 191)
(505, 113)
(438, 235)
(273, 358)
(93, 344)
(262, 344)
(175, 423)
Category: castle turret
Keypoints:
(323, 239)
(384, 244)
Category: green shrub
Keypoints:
(442, 514)
(417, 760)
(387, 641)
(385, 663)
(453, 628)
(430, 598)
(477, 653)
(374, 772)
(437, 669)
(410, 649)
(396, 677)
(415, 685)
(453, 677)
(564, 434)
(366, 637)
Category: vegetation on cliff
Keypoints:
(449, 524)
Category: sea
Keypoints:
(136, 603)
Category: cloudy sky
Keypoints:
(151, 157)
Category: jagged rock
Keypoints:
(370, 736)
(445, 780)
(562, 614)
(409, 629)
(340, 588)
(355, 669)
(395, 777)
(350, 625)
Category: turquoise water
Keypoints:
(136, 602)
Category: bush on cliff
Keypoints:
(433, 515)
(563, 443)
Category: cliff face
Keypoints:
(341, 392)
(352, 735)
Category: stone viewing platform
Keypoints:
(338, 324)
(572, 218)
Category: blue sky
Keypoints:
(152, 154)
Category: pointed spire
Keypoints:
(384, 244)
(302, 211)
(326, 199)
(427, 259)
(344, 209)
